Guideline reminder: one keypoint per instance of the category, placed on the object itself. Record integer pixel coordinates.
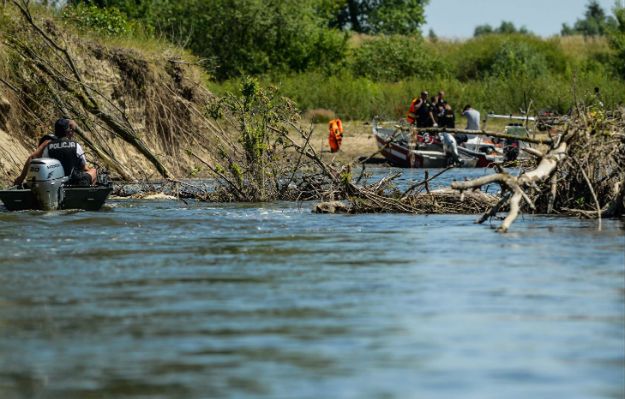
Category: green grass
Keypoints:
(361, 99)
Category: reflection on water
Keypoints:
(167, 300)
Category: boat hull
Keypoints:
(85, 198)
(394, 147)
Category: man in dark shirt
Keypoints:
(67, 151)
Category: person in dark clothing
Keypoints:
(421, 112)
(447, 117)
(425, 117)
(67, 151)
(448, 120)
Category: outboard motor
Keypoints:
(45, 179)
(450, 147)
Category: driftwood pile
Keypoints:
(580, 172)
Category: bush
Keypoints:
(518, 59)
(393, 58)
(476, 58)
(108, 21)
(252, 37)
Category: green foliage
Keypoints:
(393, 58)
(617, 41)
(506, 28)
(361, 98)
(487, 55)
(595, 22)
(258, 114)
(381, 16)
(107, 21)
(516, 58)
(131, 8)
(397, 16)
(253, 36)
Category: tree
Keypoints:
(482, 30)
(432, 36)
(506, 27)
(381, 16)
(239, 37)
(595, 22)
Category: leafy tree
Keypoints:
(482, 30)
(595, 22)
(432, 36)
(381, 16)
(505, 28)
(244, 36)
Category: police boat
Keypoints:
(46, 189)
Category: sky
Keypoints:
(457, 19)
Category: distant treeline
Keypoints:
(367, 57)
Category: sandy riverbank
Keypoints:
(358, 142)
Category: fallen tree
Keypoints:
(581, 172)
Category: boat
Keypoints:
(46, 189)
(406, 149)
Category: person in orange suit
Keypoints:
(335, 138)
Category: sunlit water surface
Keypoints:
(161, 299)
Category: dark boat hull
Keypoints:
(85, 198)
(395, 149)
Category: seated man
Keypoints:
(67, 151)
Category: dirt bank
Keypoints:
(140, 110)
(358, 141)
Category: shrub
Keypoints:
(108, 21)
(476, 58)
(518, 59)
(393, 58)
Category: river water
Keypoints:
(162, 299)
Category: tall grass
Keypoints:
(361, 98)
(493, 73)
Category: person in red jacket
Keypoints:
(335, 138)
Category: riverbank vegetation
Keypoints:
(151, 108)
(364, 58)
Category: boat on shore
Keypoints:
(46, 189)
(403, 148)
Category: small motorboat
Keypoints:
(46, 190)
(403, 148)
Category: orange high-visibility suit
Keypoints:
(411, 116)
(335, 138)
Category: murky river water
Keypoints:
(167, 300)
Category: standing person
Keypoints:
(335, 138)
(449, 121)
(411, 116)
(67, 151)
(440, 99)
(421, 112)
(473, 118)
(447, 118)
